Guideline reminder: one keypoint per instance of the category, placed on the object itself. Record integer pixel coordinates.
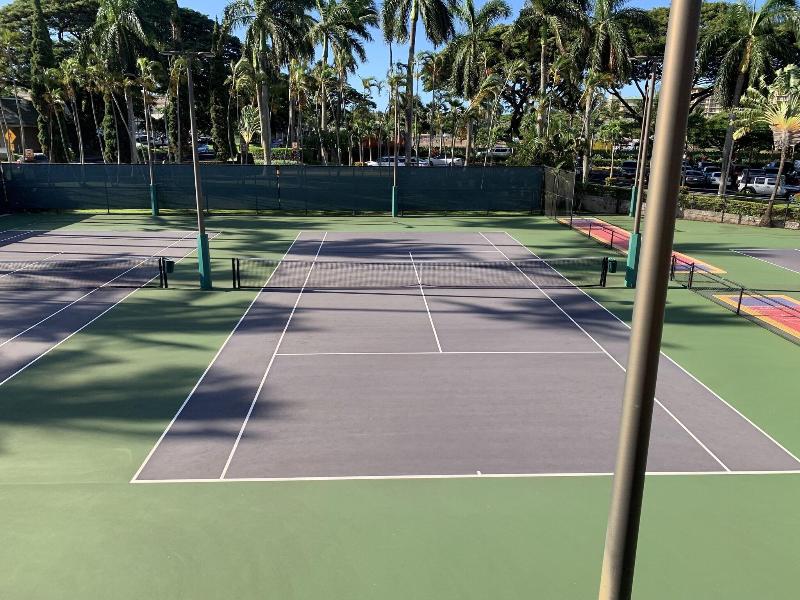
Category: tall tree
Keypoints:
(42, 59)
(753, 39)
(469, 52)
(403, 16)
(276, 31)
(544, 21)
(219, 117)
(341, 26)
(120, 32)
(610, 48)
(777, 106)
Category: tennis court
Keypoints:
(343, 368)
(55, 283)
(784, 258)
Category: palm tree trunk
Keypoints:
(323, 119)
(19, 115)
(587, 138)
(78, 128)
(542, 87)
(131, 125)
(727, 149)
(469, 141)
(97, 128)
(412, 39)
(766, 220)
(178, 141)
(290, 133)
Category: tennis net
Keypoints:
(550, 273)
(85, 273)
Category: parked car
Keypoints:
(709, 169)
(694, 178)
(419, 162)
(748, 175)
(388, 161)
(715, 178)
(496, 152)
(763, 186)
(629, 167)
(442, 160)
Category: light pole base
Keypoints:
(632, 267)
(153, 200)
(632, 207)
(394, 201)
(203, 261)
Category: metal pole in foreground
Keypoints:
(203, 258)
(635, 240)
(619, 557)
(394, 163)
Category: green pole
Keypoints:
(153, 200)
(394, 201)
(619, 555)
(635, 241)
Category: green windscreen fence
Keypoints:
(256, 188)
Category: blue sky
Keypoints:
(377, 52)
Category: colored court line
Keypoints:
(779, 311)
(618, 238)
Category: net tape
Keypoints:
(257, 273)
(83, 273)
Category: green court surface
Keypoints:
(76, 426)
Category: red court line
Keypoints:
(618, 238)
(778, 310)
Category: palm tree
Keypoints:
(402, 17)
(276, 32)
(778, 107)
(249, 127)
(342, 26)
(469, 51)
(150, 72)
(545, 20)
(119, 32)
(369, 83)
(71, 75)
(751, 45)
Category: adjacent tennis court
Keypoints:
(53, 283)
(784, 258)
(423, 355)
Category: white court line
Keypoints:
(89, 293)
(476, 475)
(703, 385)
(84, 326)
(425, 300)
(13, 237)
(269, 365)
(764, 260)
(443, 352)
(213, 360)
(614, 360)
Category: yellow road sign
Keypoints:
(10, 136)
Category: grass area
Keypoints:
(77, 425)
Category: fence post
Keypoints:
(672, 268)
(691, 276)
(739, 304)
(611, 243)
(604, 272)
(590, 229)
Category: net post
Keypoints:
(739, 304)
(604, 272)
(233, 273)
(611, 242)
(161, 270)
(691, 276)
(672, 268)
(238, 274)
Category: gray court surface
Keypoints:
(434, 382)
(784, 258)
(34, 321)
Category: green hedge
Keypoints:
(748, 208)
(607, 191)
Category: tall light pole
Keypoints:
(637, 193)
(203, 257)
(619, 557)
